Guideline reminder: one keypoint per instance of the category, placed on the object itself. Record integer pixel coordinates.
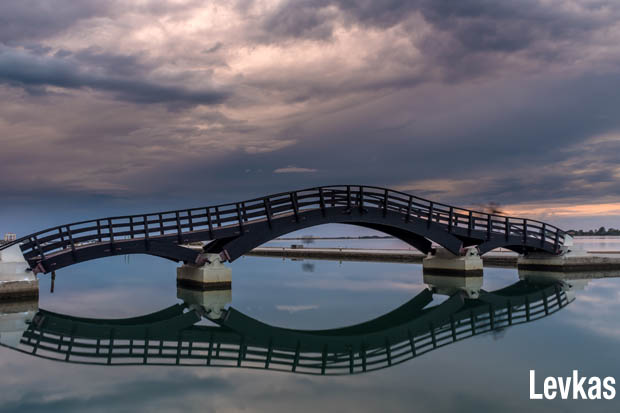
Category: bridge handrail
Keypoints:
(292, 202)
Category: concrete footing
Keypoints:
(213, 275)
(443, 262)
(16, 279)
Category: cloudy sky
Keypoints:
(118, 107)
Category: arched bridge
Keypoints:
(171, 336)
(236, 228)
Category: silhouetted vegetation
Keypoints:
(594, 232)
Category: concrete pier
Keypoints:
(443, 262)
(212, 275)
(16, 279)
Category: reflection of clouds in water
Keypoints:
(355, 285)
(296, 308)
(108, 303)
(596, 308)
(163, 389)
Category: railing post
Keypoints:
(543, 234)
(218, 217)
(294, 203)
(62, 238)
(433, 336)
(556, 244)
(239, 218)
(131, 235)
(524, 231)
(558, 296)
(450, 219)
(267, 210)
(507, 229)
(111, 232)
(411, 342)
(431, 207)
(179, 231)
(71, 241)
(190, 219)
(385, 202)
(99, 230)
(161, 225)
(209, 222)
(296, 357)
(41, 253)
(408, 217)
(453, 328)
(145, 222)
(489, 222)
(348, 197)
(469, 223)
(322, 201)
(360, 199)
(527, 308)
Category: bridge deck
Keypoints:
(238, 227)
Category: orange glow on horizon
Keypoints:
(558, 210)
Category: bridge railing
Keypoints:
(177, 224)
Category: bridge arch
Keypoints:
(417, 233)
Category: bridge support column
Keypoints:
(212, 275)
(443, 262)
(16, 279)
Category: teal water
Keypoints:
(487, 372)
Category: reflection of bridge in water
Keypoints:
(171, 336)
(236, 228)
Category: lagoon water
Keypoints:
(487, 372)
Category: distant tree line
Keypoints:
(600, 231)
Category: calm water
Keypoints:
(609, 243)
(487, 372)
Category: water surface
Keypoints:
(488, 372)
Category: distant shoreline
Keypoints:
(371, 237)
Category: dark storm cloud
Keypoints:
(471, 26)
(30, 20)
(535, 152)
(478, 24)
(121, 76)
(502, 96)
